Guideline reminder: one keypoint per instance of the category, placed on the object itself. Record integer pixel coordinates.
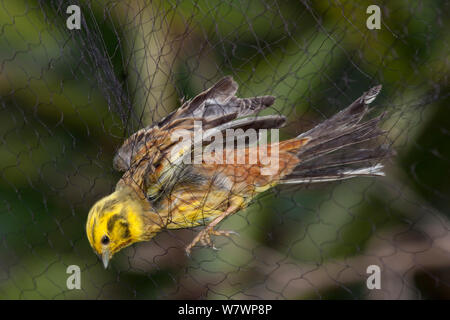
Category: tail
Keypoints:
(340, 147)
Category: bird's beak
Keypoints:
(105, 257)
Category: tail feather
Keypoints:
(339, 148)
(346, 118)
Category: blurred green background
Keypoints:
(69, 98)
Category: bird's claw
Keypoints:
(204, 237)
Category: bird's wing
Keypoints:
(154, 158)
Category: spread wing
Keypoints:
(147, 157)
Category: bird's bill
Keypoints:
(105, 258)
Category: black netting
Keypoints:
(70, 97)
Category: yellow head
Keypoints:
(116, 222)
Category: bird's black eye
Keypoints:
(105, 240)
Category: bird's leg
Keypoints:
(204, 236)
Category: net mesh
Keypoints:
(68, 99)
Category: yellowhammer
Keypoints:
(172, 182)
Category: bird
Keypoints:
(186, 170)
